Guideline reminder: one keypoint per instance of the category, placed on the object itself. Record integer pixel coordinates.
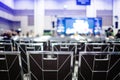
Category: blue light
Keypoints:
(80, 25)
(83, 2)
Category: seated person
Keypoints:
(7, 35)
(109, 33)
(118, 34)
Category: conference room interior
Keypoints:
(59, 40)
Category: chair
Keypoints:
(23, 48)
(116, 47)
(49, 65)
(10, 66)
(101, 47)
(6, 45)
(99, 66)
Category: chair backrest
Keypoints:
(50, 65)
(64, 47)
(10, 66)
(101, 47)
(24, 47)
(6, 45)
(116, 47)
(99, 66)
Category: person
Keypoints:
(15, 35)
(7, 35)
(117, 36)
(109, 33)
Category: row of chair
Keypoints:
(10, 45)
(57, 65)
(76, 47)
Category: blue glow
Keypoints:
(83, 2)
(80, 25)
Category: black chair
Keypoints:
(23, 48)
(64, 47)
(43, 43)
(50, 65)
(101, 47)
(99, 66)
(116, 47)
(10, 66)
(6, 45)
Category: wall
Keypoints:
(4, 24)
(58, 8)
(62, 4)
(22, 10)
(9, 3)
(23, 4)
(21, 16)
(6, 15)
(104, 4)
(16, 25)
(104, 9)
(71, 5)
(7, 24)
(24, 24)
(116, 12)
(68, 8)
(6, 12)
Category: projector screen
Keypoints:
(79, 25)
